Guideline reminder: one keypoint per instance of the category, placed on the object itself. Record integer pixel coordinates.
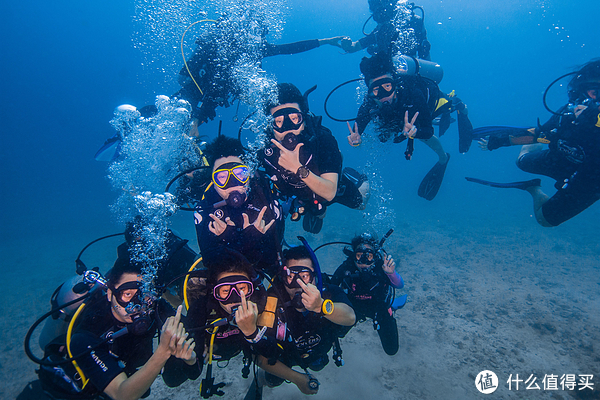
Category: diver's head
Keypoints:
(124, 292)
(382, 10)
(297, 264)
(364, 251)
(229, 175)
(288, 115)
(231, 276)
(586, 83)
(378, 72)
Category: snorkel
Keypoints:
(315, 263)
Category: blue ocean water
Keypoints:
(66, 65)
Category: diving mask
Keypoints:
(382, 88)
(222, 177)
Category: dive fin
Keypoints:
(254, 391)
(465, 132)
(109, 150)
(499, 130)
(399, 302)
(430, 185)
(445, 121)
(523, 185)
(312, 223)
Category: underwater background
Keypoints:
(487, 285)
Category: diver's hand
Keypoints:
(348, 45)
(483, 144)
(193, 132)
(246, 316)
(334, 41)
(354, 138)
(289, 160)
(167, 345)
(311, 297)
(410, 130)
(259, 224)
(389, 266)
(218, 226)
(302, 383)
(185, 347)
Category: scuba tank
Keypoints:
(58, 324)
(407, 65)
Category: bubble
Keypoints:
(153, 151)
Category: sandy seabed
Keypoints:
(513, 299)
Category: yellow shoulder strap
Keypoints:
(267, 317)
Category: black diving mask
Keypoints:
(297, 272)
(287, 119)
(382, 88)
(364, 256)
(129, 296)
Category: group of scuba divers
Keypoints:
(246, 293)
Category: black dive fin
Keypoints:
(499, 130)
(430, 185)
(312, 223)
(254, 392)
(445, 121)
(465, 133)
(523, 185)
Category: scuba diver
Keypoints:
(237, 209)
(110, 340)
(368, 277)
(573, 154)
(178, 259)
(207, 78)
(304, 162)
(306, 317)
(226, 321)
(400, 35)
(399, 30)
(401, 111)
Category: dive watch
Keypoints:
(303, 172)
(327, 307)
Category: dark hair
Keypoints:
(587, 76)
(288, 93)
(223, 260)
(364, 238)
(296, 253)
(376, 66)
(223, 146)
(122, 266)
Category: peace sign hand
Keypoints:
(410, 130)
(259, 224)
(354, 138)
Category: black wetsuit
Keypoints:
(386, 39)
(305, 338)
(125, 354)
(371, 296)
(572, 159)
(390, 118)
(214, 75)
(260, 249)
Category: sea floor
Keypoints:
(504, 295)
